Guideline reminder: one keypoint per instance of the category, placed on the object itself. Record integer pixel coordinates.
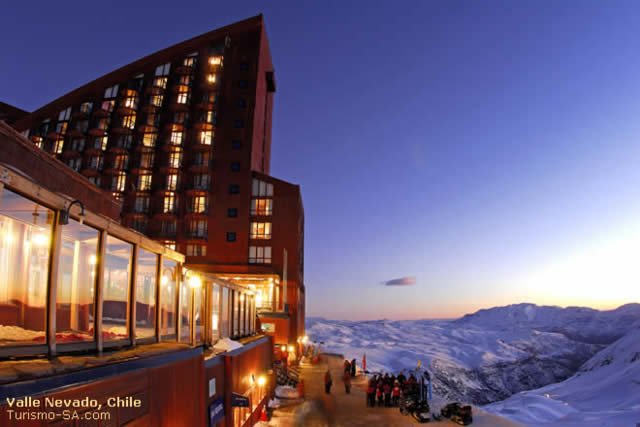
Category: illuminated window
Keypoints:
(211, 78)
(102, 124)
(61, 127)
(175, 158)
(209, 116)
(214, 310)
(86, 107)
(209, 97)
(142, 204)
(160, 82)
(261, 207)
(115, 305)
(185, 312)
(121, 161)
(170, 244)
(224, 313)
(144, 182)
(176, 137)
(156, 100)
(261, 188)
(118, 182)
(147, 160)
(206, 136)
(172, 182)
(260, 230)
(163, 70)
(57, 145)
(168, 288)
(146, 294)
(100, 143)
(197, 228)
(77, 271)
(215, 60)
(185, 80)
(25, 241)
(183, 95)
(169, 205)
(149, 139)
(189, 61)
(199, 204)
(196, 250)
(108, 105)
(260, 254)
(131, 100)
(38, 141)
(111, 92)
(129, 121)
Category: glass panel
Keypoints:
(247, 317)
(236, 313)
(25, 240)
(224, 313)
(215, 312)
(197, 302)
(241, 313)
(185, 311)
(76, 283)
(115, 304)
(146, 294)
(168, 284)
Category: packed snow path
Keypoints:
(341, 409)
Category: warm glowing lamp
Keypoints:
(195, 281)
(262, 380)
(290, 349)
(164, 280)
(283, 348)
(92, 260)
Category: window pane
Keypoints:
(146, 294)
(197, 302)
(247, 314)
(168, 284)
(236, 313)
(75, 295)
(224, 313)
(185, 311)
(115, 305)
(25, 236)
(215, 312)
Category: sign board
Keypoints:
(268, 327)
(239, 401)
(212, 387)
(216, 412)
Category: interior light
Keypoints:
(283, 348)
(290, 349)
(40, 239)
(92, 260)
(262, 380)
(211, 78)
(164, 280)
(215, 60)
(8, 238)
(195, 281)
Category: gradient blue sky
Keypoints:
(490, 149)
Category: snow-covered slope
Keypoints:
(486, 356)
(604, 392)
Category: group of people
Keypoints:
(388, 389)
(349, 372)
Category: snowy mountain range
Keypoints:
(501, 353)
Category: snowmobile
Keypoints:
(419, 409)
(458, 414)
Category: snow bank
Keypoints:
(286, 392)
(227, 344)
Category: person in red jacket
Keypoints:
(380, 396)
(386, 388)
(395, 393)
(328, 382)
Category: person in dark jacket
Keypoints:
(353, 368)
(347, 382)
(386, 388)
(380, 396)
(371, 394)
(328, 382)
(386, 379)
(401, 379)
(347, 367)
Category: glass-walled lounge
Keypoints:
(90, 284)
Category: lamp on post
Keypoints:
(64, 214)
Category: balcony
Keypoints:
(201, 166)
(198, 187)
(196, 235)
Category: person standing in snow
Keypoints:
(328, 382)
(380, 396)
(386, 388)
(347, 382)
(353, 368)
(395, 393)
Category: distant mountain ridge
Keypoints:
(486, 356)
